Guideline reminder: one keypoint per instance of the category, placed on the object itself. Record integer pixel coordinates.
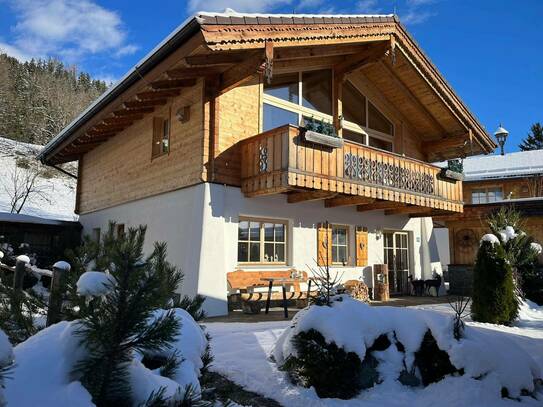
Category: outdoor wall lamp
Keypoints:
(501, 136)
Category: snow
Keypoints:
(508, 233)
(536, 247)
(58, 200)
(62, 265)
(489, 237)
(242, 354)
(95, 283)
(44, 363)
(516, 164)
(228, 12)
(24, 258)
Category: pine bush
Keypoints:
(494, 298)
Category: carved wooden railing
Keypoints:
(280, 160)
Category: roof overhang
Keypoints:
(230, 39)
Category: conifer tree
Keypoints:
(494, 299)
(534, 139)
(121, 322)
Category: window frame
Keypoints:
(159, 138)
(301, 111)
(262, 241)
(485, 190)
(346, 245)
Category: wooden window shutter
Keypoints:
(361, 247)
(324, 244)
(158, 128)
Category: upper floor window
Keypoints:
(291, 97)
(262, 241)
(486, 195)
(161, 136)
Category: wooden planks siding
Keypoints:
(279, 160)
(122, 170)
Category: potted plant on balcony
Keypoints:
(320, 132)
(454, 170)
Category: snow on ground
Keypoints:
(241, 353)
(58, 200)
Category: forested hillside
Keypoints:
(38, 98)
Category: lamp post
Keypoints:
(501, 136)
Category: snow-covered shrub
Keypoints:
(6, 363)
(413, 347)
(129, 318)
(43, 374)
(494, 299)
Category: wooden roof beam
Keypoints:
(157, 94)
(306, 196)
(123, 120)
(172, 83)
(379, 205)
(432, 214)
(347, 201)
(369, 56)
(256, 63)
(218, 58)
(317, 51)
(135, 104)
(412, 98)
(108, 128)
(194, 72)
(447, 143)
(133, 112)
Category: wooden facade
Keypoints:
(281, 160)
(217, 74)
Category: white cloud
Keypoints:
(14, 52)
(413, 17)
(67, 28)
(368, 6)
(242, 6)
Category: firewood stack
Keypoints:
(358, 290)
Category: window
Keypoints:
(289, 96)
(339, 244)
(377, 121)
(380, 143)
(120, 230)
(161, 136)
(317, 91)
(261, 241)
(486, 195)
(96, 233)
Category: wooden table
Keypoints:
(279, 281)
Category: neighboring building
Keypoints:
(202, 142)
(491, 182)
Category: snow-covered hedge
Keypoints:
(396, 340)
(42, 375)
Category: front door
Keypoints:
(396, 246)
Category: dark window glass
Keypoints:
(377, 121)
(283, 87)
(275, 117)
(354, 136)
(353, 104)
(381, 144)
(317, 90)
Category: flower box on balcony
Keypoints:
(323, 139)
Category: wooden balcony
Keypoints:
(282, 161)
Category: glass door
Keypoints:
(396, 254)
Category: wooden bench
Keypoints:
(245, 282)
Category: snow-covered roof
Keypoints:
(21, 218)
(516, 164)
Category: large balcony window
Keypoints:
(291, 97)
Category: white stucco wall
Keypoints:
(200, 224)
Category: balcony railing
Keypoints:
(280, 160)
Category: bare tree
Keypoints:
(23, 185)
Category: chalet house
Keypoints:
(249, 141)
(491, 182)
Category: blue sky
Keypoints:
(490, 51)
